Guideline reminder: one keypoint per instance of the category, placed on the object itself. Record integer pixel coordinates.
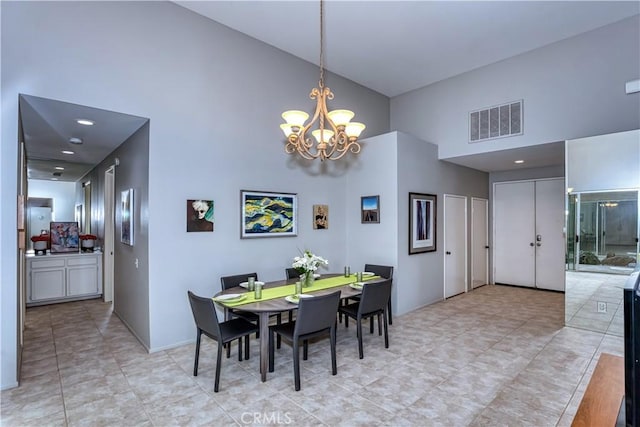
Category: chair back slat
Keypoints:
(317, 313)
(375, 296)
(383, 271)
(204, 314)
(233, 281)
(292, 273)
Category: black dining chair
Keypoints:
(204, 314)
(228, 282)
(292, 273)
(385, 272)
(373, 302)
(316, 317)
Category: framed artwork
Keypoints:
(370, 209)
(199, 215)
(126, 219)
(64, 236)
(422, 223)
(267, 214)
(320, 217)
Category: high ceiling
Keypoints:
(397, 46)
(389, 46)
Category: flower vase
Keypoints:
(307, 279)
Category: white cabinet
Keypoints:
(63, 277)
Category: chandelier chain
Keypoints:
(321, 82)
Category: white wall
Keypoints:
(214, 98)
(604, 162)
(571, 89)
(62, 193)
(376, 173)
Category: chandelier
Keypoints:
(335, 134)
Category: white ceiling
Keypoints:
(388, 46)
(48, 125)
(397, 46)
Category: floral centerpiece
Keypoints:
(306, 265)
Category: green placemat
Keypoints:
(283, 291)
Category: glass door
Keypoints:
(607, 231)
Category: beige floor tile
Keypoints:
(495, 356)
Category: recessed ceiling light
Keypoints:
(518, 161)
(67, 152)
(60, 168)
(85, 122)
(54, 179)
(75, 140)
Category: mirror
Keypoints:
(603, 225)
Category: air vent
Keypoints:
(498, 121)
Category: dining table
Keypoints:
(274, 301)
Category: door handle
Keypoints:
(448, 253)
(531, 244)
(486, 247)
(538, 244)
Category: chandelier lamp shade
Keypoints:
(333, 131)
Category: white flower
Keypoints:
(308, 262)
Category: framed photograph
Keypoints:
(320, 217)
(126, 219)
(370, 209)
(199, 215)
(267, 214)
(422, 223)
(64, 236)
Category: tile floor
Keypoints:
(583, 293)
(496, 356)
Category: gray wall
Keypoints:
(571, 89)
(131, 283)
(420, 277)
(214, 98)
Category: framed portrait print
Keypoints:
(370, 209)
(422, 223)
(199, 215)
(320, 217)
(126, 219)
(64, 236)
(268, 214)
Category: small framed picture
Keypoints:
(320, 217)
(422, 223)
(199, 215)
(268, 214)
(126, 219)
(370, 209)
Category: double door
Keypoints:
(528, 233)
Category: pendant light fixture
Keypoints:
(335, 134)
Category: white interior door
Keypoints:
(514, 231)
(479, 242)
(455, 245)
(109, 227)
(550, 240)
